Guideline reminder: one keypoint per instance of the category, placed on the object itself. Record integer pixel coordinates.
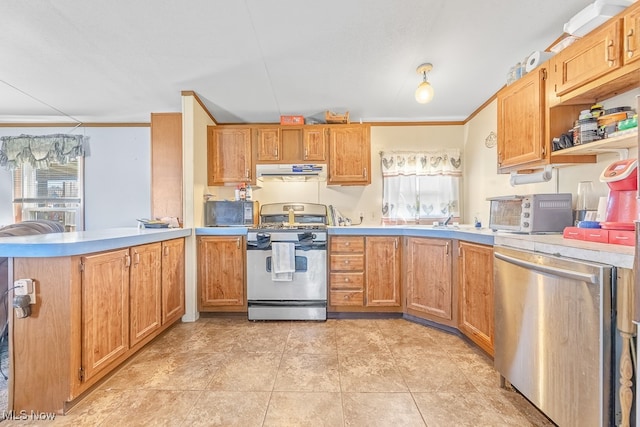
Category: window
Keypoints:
(53, 194)
(47, 177)
(421, 187)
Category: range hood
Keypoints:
(291, 172)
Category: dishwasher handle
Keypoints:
(560, 272)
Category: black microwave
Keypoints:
(224, 213)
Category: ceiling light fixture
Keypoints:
(424, 93)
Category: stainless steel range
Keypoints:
(287, 263)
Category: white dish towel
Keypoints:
(283, 261)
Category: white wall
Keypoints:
(117, 175)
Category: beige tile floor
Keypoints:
(232, 372)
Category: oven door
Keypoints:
(309, 281)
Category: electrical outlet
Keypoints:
(25, 287)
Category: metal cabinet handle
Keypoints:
(238, 243)
(166, 251)
(446, 248)
(365, 172)
(628, 43)
(306, 154)
(127, 260)
(395, 242)
(137, 258)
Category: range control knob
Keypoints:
(525, 224)
(526, 214)
(526, 205)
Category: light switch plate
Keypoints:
(25, 287)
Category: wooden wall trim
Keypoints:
(199, 101)
(80, 125)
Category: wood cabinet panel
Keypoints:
(476, 294)
(105, 309)
(145, 288)
(382, 275)
(229, 155)
(349, 155)
(344, 280)
(221, 273)
(521, 121)
(428, 282)
(314, 144)
(346, 262)
(166, 165)
(593, 56)
(173, 306)
(354, 244)
(268, 144)
(631, 34)
(346, 298)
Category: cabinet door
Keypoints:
(631, 34)
(172, 280)
(428, 277)
(144, 291)
(229, 155)
(595, 55)
(521, 121)
(221, 271)
(349, 155)
(105, 309)
(166, 165)
(475, 269)
(268, 144)
(314, 143)
(382, 274)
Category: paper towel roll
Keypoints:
(601, 214)
(536, 58)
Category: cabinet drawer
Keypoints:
(622, 237)
(346, 262)
(347, 244)
(346, 298)
(347, 281)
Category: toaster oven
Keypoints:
(532, 213)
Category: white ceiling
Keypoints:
(253, 60)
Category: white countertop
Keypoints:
(84, 242)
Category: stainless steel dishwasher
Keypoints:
(553, 334)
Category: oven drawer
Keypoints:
(347, 281)
(346, 262)
(346, 298)
(347, 244)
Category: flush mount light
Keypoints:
(424, 92)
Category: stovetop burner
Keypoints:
(285, 226)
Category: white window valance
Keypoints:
(40, 150)
(435, 162)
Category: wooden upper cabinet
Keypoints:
(475, 269)
(349, 155)
(229, 155)
(521, 124)
(314, 144)
(631, 34)
(268, 144)
(593, 56)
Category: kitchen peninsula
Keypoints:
(99, 297)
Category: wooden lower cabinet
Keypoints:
(221, 273)
(172, 280)
(91, 314)
(364, 273)
(145, 291)
(475, 281)
(105, 310)
(429, 289)
(382, 276)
